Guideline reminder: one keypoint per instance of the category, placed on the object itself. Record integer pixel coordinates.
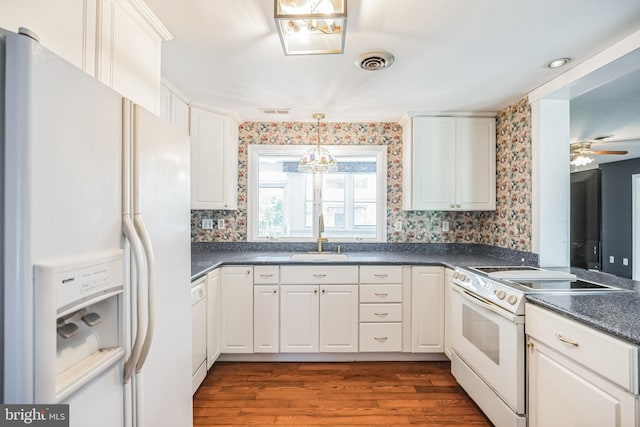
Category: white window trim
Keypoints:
(254, 152)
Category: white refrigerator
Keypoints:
(96, 247)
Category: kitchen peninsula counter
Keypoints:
(616, 313)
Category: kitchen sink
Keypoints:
(319, 256)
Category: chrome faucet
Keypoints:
(321, 239)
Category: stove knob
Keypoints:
(463, 277)
(512, 299)
(501, 294)
(456, 274)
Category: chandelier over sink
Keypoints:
(318, 159)
(311, 27)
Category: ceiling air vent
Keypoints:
(374, 60)
(275, 111)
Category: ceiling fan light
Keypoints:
(581, 160)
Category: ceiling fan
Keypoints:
(582, 149)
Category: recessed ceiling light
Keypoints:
(557, 63)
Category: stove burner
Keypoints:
(497, 268)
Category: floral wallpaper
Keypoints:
(508, 227)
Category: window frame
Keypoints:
(254, 152)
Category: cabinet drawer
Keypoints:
(610, 357)
(318, 275)
(381, 312)
(380, 293)
(380, 337)
(266, 275)
(380, 274)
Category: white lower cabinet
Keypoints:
(381, 311)
(427, 309)
(318, 309)
(266, 319)
(448, 275)
(299, 318)
(578, 376)
(213, 317)
(236, 299)
(339, 318)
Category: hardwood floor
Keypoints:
(334, 394)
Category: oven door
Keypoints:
(490, 341)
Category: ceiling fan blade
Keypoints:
(610, 152)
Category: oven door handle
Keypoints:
(487, 305)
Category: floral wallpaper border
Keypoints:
(509, 226)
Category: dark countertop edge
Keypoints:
(611, 328)
(583, 320)
(450, 260)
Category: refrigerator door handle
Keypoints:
(138, 253)
(148, 250)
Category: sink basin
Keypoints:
(319, 256)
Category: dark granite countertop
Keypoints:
(617, 314)
(203, 262)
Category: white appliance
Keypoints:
(96, 247)
(198, 335)
(488, 333)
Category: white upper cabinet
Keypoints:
(129, 40)
(116, 41)
(214, 160)
(67, 27)
(174, 109)
(449, 163)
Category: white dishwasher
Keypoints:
(198, 333)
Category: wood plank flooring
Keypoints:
(334, 394)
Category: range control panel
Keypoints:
(493, 292)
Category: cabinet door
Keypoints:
(213, 317)
(266, 319)
(129, 54)
(299, 323)
(475, 163)
(339, 318)
(236, 309)
(563, 393)
(427, 309)
(67, 27)
(433, 163)
(214, 161)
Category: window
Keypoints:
(285, 204)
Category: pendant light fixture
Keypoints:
(311, 27)
(318, 159)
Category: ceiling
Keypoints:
(612, 109)
(450, 56)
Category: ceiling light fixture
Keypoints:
(580, 160)
(318, 159)
(311, 27)
(557, 63)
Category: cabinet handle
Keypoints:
(381, 339)
(275, 291)
(452, 205)
(266, 276)
(381, 275)
(457, 206)
(381, 314)
(315, 291)
(381, 294)
(567, 341)
(324, 291)
(319, 276)
(248, 272)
